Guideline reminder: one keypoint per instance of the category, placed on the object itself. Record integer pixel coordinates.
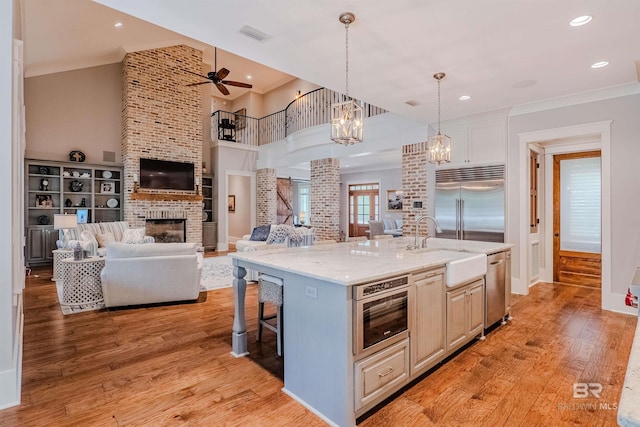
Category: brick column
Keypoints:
(267, 196)
(414, 185)
(325, 198)
(161, 119)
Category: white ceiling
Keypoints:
(484, 46)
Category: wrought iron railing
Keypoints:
(308, 110)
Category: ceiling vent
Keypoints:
(254, 33)
(413, 103)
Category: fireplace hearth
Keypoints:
(167, 230)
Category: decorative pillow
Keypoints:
(260, 233)
(388, 224)
(398, 223)
(133, 235)
(104, 239)
(278, 233)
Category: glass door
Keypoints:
(364, 206)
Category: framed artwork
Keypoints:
(107, 187)
(241, 118)
(44, 201)
(394, 201)
(231, 201)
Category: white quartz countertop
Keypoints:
(353, 263)
(629, 410)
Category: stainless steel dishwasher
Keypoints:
(495, 288)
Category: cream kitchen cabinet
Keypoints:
(428, 321)
(477, 143)
(465, 314)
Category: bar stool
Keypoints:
(270, 290)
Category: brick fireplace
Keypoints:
(167, 230)
(162, 119)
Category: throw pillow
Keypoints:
(388, 225)
(260, 233)
(104, 239)
(278, 233)
(133, 235)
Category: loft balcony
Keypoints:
(311, 109)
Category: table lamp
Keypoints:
(65, 223)
(303, 216)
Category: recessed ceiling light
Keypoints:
(464, 98)
(249, 77)
(118, 24)
(599, 64)
(524, 83)
(413, 103)
(580, 20)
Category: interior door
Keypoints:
(364, 203)
(577, 219)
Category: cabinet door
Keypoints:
(476, 307)
(457, 325)
(428, 329)
(36, 244)
(50, 238)
(486, 143)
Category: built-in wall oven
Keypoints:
(381, 314)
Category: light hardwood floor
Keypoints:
(170, 365)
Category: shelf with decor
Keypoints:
(209, 226)
(65, 187)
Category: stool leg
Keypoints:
(279, 323)
(260, 315)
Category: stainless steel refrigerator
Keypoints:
(469, 203)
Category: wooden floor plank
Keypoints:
(171, 364)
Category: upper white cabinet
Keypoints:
(477, 142)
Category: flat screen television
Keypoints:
(166, 175)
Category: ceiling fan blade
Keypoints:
(222, 89)
(199, 83)
(238, 84)
(222, 73)
(204, 77)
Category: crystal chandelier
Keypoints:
(346, 117)
(440, 145)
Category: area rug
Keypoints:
(217, 272)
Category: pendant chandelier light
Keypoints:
(346, 117)
(440, 145)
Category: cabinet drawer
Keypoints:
(377, 376)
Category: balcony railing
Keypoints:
(311, 109)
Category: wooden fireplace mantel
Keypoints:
(166, 197)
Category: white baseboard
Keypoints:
(309, 407)
(222, 247)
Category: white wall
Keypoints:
(625, 152)
(240, 220)
(75, 110)
(230, 159)
(10, 332)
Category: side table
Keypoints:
(81, 282)
(59, 255)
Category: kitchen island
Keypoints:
(321, 368)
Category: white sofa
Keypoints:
(88, 234)
(150, 273)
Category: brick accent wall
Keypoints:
(414, 185)
(267, 196)
(325, 198)
(162, 119)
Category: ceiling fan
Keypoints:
(217, 78)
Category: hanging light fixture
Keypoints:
(346, 117)
(440, 145)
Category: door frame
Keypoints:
(584, 137)
(223, 214)
(345, 197)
